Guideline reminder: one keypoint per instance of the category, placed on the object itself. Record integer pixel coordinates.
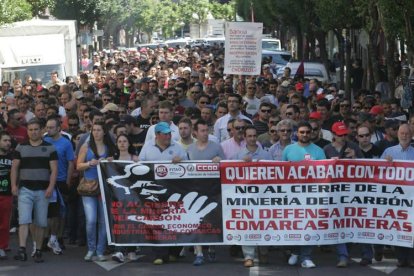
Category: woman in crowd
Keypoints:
(98, 148)
(124, 152)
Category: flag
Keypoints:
(300, 73)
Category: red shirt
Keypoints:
(19, 133)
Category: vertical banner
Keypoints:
(243, 48)
(161, 203)
(318, 202)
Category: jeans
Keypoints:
(304, 252)
(94, 213)
(367, 252)
(342, 251)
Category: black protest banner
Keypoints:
(161, 204)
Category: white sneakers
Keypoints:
(3, 255)
(293, 260)
(54, 245)
(88, 257)
(118, 257)
(308, 264)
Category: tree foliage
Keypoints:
(12, 11)
(226, 11)
(84, 11)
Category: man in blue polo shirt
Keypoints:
(303, 149)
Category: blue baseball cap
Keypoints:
(162, 127)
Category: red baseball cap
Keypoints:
(315, 115)
(376, 110)
(339, 129)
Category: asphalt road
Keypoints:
(71, 263)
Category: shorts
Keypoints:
(32, 202)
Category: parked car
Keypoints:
(313, 70)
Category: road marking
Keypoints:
(110, 264)
(386, 266)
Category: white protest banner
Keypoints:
(243, 48)
(318, 202)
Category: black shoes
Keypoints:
(365, 262)
(38, 257)
(21, 255)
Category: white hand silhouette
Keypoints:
(187, 221)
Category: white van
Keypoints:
(271, 44)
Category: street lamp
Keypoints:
(182, 24)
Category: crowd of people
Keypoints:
(172, 104)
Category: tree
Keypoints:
(223, 11)
(12, 11)
(84, 11)
(336, 16)
(40, 6)
(195, 11)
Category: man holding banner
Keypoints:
(204, 149)
(252, 152)
(163, 150)
(304, 149)
(402, 151)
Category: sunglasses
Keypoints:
(73, 125)
(364, 135)
(203, 102)
(266, 110)
(315, 129)
(273, 131)
(239, 128)
(342, 135)
(304, 132)
(229, 129)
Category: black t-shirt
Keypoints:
(143, 123)
(5, 168)
(138, 141)
(374, 152)
(261, 127)
(322, 143)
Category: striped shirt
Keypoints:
(34, 170)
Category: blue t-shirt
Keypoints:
(65, 154)
(295, 152)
